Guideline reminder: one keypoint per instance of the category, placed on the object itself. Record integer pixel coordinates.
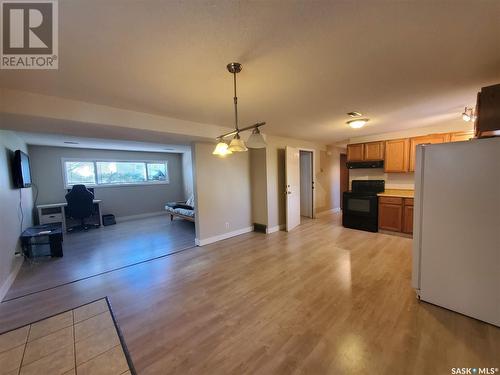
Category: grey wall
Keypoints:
(10, 224)
(187, 172)
(121, 201)
(258, 179)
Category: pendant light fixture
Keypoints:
(237, 144)
(256, 140)
(468, 114)
(222, 148)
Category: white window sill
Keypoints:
(96, 186)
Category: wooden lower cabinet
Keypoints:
(395, 214)
(390, 213)
(408, 219)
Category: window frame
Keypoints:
(121, 184)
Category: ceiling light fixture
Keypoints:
(468, 114)
(222, 148)
(354, 114)
(256, 140)
(358, 123)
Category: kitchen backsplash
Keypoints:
(392, 180)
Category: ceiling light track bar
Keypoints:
(234, 132)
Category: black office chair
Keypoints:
(80, 205)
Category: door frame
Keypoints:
(313, 152)
(340, 178)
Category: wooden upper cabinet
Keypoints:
(425, 140)
(488, 116)
(397, 155)
(365, 151)
(374, 151)
(355, 152)
(461, 136)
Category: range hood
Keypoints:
(365, 164)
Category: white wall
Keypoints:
(331, 166)
(122, 201)
(10, 223)
(276, 199)
(222, 194)
(392, 180)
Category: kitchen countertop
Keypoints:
(403, 193)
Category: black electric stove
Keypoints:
(360, 205)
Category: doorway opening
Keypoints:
(343, 178)
(306, 184)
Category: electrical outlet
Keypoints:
(227, 225)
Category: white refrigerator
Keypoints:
(456, 239)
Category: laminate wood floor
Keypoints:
(103, 249)
(319, 300)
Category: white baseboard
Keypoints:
(223, 236)
(332, 210)
(12, 276)
(120, 219)
(276, 228)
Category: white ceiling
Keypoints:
(305, 63)
(59, 140)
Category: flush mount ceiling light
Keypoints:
(256, 140)
(468, 114)
(358, 123)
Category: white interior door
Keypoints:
(292, 171)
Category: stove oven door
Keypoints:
(360, 212)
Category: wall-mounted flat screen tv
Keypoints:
(21, 173)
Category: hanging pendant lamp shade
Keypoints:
(237, 144)
(222, 149)
(256, 140)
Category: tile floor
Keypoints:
(83, 341)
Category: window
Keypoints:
(123, 172)
(80, 172)
(157, 171)
(114, 173)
